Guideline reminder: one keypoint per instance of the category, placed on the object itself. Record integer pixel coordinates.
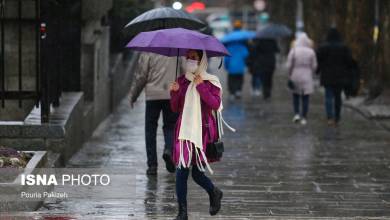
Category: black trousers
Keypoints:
(333, 102)
(152, 114)
(267, 81)
(235, 83)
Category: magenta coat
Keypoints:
(210, 100)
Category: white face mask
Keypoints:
(191, 65)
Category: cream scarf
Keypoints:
(190, 132)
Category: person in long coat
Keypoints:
(195, 96)
(302, 64)
(335, 63)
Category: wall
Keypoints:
(103, 83)
(95, 58)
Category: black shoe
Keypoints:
(168, 162)
(151, 171)
(215, 201)
(182, 212)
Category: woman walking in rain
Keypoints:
(335, 63)
(302, 64)
(194, 96)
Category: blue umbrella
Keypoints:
(240, 35)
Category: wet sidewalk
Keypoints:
(272, 168)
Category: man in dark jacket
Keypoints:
(334, 64)
(262, 63)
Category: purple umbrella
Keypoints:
(176, 42)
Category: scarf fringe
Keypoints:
(189, 148)
(181, 158)
(198, 161)
(199, 155)
(206, 162)
(225, 123)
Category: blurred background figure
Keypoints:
(262, 62)
(252, 68)
(302, 64)
(220, 24)
(235, 64)
(353, 87)
(335, 62)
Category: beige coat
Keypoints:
(153, 73)
(301, 64)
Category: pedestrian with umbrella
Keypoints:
(195, 96)
(241, 37)
(262, 62)
(153, 73)
(263, 57)
(235, 65)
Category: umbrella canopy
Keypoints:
(176, 42)
(237, 36)
(206, 30)
(161, 18)
(273, 31)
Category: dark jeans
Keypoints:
(153, 109)
(305, 104)
(181, 182)
(267, 81)
(235, 83)
(333, 103)
(256, 81)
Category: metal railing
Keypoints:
(41, 95)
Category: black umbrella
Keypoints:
(272, 31)
(206, 30)
(162, 18)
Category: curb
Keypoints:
(367, 116)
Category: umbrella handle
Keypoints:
(177, 63)
(220, 64)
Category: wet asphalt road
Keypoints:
(272, 168)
